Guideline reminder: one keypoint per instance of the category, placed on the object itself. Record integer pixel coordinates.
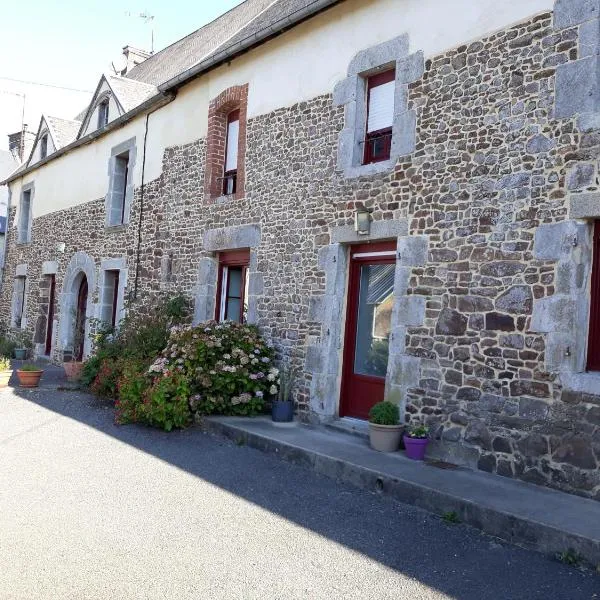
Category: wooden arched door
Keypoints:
(79, 331)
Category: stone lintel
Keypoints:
(584, 206)
(380, 230)
(49, 267)
(231, 238)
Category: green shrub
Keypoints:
(420, 432)
(4, 363)
(132, 385)
(228, 366)
(105, 382)
(166, 403)
(7, 347)
(384, 413)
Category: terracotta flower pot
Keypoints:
(73, 370)
(4, 378)
(29, 379)
(385, 438)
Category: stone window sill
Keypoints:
(115, 228)
(371, 169)
(588, 383)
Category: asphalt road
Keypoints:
(89, 510)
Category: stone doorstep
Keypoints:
(539, 518)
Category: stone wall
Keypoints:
(480, 211)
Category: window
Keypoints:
(232, 288)
(110, 297)
(231, 153)
(118, 202)
(380, 117)
(24, 230)
(19, 301)
(44, 146)
(103, 113)
(593, 362)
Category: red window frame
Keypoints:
(230, 175)
(233, 258)
(593, 355)
(378, 144)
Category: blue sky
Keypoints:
(70, 43)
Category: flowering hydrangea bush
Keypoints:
(228, 367)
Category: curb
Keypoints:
(513, 528)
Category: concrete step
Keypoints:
(543, 519)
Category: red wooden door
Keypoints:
(50, 325)
(368, 327)
(593, 362)
(79, 338)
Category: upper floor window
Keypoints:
(231, 153)
(232, 286)
(118, 203)
(380, 117)
(24, 227)
(44, 146)
(593, 356)
(103, 113)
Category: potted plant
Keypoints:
(385, 430)
(22, 341)
(29, 376)
(5, 371)
(282, 407)
(415, 442)
(73, 367)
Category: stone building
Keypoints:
(402, 194)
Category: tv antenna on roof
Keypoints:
(147, 18)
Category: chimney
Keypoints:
(133, 57)
(21, 143)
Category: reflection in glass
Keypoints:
(375, 303)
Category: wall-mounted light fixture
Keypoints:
(362, 221)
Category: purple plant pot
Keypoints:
(415, 447)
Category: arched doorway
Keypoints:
(80, 318)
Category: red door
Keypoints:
(50, 314)
(79, 337)
(368, 327)
(593, 362)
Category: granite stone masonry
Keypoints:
(494, 261)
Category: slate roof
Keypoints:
(130, 93)
(200, 44)
(64, 130)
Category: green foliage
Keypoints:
(21, 339)
(451, 517)
(420, 432)
(384, 413)
(166, 403)
(30, 368)
(287, 380)
(7, 346)
(132, 386)
(105, 381)
(570, 557)
(228, 366)
(4, 363)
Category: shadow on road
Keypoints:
(455, 560)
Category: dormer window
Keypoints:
(103, 113)
(44, 146)
(231, 153)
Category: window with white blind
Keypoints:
(231, 153)
(18, 301)
(24, 229)
(380, 116)
(44, 146)
(120, 174)
(110, 298)
(102, 113)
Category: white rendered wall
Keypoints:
(299, 65)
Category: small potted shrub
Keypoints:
(22, 342)
(29, 376)
(5, 371)
(385, 429)
(282, 407)
(415, 442)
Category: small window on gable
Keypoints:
(44, 146)
(103, 113)
(18, 311)
(593, 357)
(380, 117)
(118, 193)
(231, 153)
(110, 297)
(232, 288)
(24, 229)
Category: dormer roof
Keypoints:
(61, 131)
